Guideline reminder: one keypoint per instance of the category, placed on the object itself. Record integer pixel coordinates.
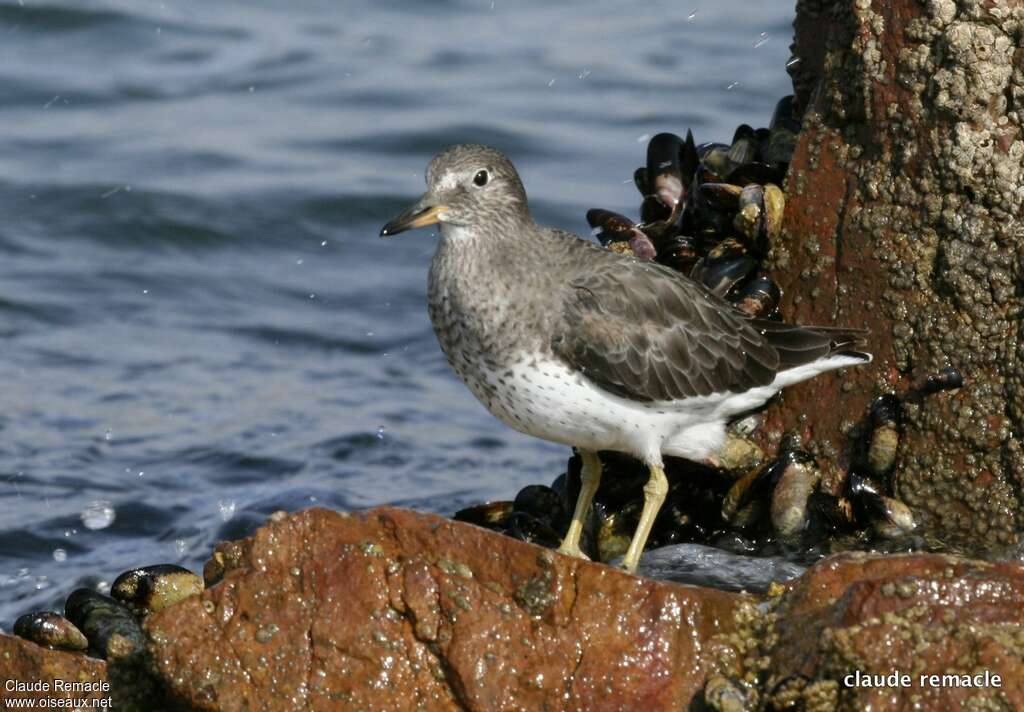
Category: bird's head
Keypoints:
(467, 185)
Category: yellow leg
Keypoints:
(654, 495)
(590, 479)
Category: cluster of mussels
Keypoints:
(109, 627)
(711, 211)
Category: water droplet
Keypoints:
(252, 89)
(98, 514)
(793, 61)
(60, 555)
(692, 16)
(227, 509)
(145, 291)
(761, 40)
(381, 432)
(312, 295)
(585, 73)
(141, 474)
(552, 82)
(298, 262)
(323, 244)
(108, 435)
(369, 333)
(180, 546)
(732, 86)
(643, 137)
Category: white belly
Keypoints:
(546, 399)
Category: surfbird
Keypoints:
(569, 342)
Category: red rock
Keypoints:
(24, 662)
(914, 615)
(389, 609)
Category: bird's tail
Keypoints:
(799, 345)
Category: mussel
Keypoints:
(726, 264)
(884, 439)
(111, 628)
(796, 478)
(758, 297)
(671, 162)
(611, 227)
(888, 517)
(51, 630)
(153, 588)
(948, 379)
(744, 147)
(490, 515)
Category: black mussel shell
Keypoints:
(743, 131)
(652, 211)
(543, 503)
(754, 172)
(664, 172)
(871, 507)
(758, 297)
(714, 161)
(152, 588)
(111, 628)
(689, 158)
(491, 515)
(641, 181)
(783, 116)
(828, 514)
(609, 226)
(724, 266)
(778, 150)
(886, 409)
(947, 379)
(753, 487)
(680, 252)
(51, 630)
(528, 528)
(721, 196)
(744, 151)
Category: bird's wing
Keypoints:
(643, 332)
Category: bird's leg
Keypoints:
(590, 479)
(654, 495)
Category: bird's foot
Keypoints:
(573, 551)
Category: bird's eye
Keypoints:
(481, 178)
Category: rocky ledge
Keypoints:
(390, 609)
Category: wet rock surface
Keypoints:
(367, 610)
(390, 609)
(918, 615)
(27, 662)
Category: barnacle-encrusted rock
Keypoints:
(904, 213)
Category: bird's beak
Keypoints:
(426, 211)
